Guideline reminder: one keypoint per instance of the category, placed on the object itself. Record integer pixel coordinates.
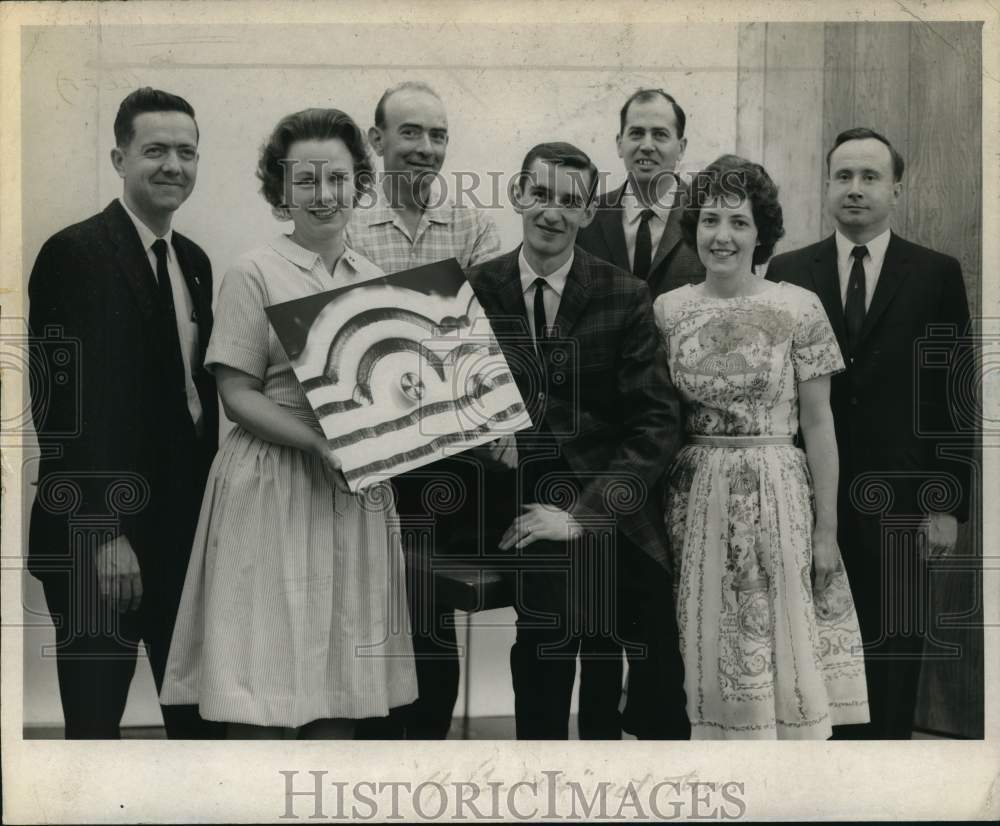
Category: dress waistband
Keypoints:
(739, 441)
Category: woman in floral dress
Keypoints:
(769, 634)
(293, 620)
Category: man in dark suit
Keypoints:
(638, 225)
(884, 296)
(127, 444)
(589, 545)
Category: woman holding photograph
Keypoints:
(769, 634)
(293, 621)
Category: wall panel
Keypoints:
(920, 85)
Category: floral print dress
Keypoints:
(765, 657)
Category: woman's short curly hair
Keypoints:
(311, 124)
(734, 179)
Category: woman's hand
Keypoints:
(826, 558)
(331, 464)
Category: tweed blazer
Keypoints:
(601, 388)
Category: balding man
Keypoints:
(413, 223)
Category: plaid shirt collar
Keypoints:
(382, 213)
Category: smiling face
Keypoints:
(861, 192)
(727, 237)
(552, 200)
(320, 188)
(414, 138)
(159, 165)
(649, 144)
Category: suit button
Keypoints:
(541, 397)
(854, 401)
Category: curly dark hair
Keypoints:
(311, 124)
(733, 178)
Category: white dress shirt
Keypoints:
(187, 327)
(871, 262)
(555, 283)
(632, 210)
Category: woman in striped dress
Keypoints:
(293, 620)
(768, 630)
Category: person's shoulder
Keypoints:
(675, 297)
(930, 258)
(492, 266)
(806, 253)
(607, 274)
(82, 234)
(793, 265)
(793, 295)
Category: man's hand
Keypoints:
(942, 534)
(118, 574)
(540, 522)
(500, 454)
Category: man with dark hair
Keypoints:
(126, 448)
(891, 411)
(637, 226)
(589, 546)
(410, 225)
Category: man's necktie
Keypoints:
(540, 323)
(643, 246)
(854, 304)
(171, 339)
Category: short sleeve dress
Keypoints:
(764, 657)
(294, 605)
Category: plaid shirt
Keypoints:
(447, 231)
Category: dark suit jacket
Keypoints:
(119, 450)
(606, 398)
(892, 406)
(674, 262)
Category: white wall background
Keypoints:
(505, 89)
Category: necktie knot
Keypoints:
(859, 252)
(160, 248)
(645, 216)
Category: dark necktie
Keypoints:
(540, 331)
(854, 304)
(168, 315)
(643, 246)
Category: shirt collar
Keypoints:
(146, 235)
(876, 248)
(380, 212)
(556, 280)
(633, 206)
(306, 259)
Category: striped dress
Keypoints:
(294, 606)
